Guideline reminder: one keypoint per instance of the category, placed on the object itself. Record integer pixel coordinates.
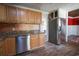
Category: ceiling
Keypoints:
(50, 6)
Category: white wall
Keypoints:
(78, 30)
(63, 13)
(44, 24)
(73, 30)
(64, 28)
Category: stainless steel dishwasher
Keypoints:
(22, 43)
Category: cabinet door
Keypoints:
(34, 17)
(38, 17)
(11, 14)
(22, 15)
(2, 13)
(12, 46)
(2, 50)
(8, 47)
(41, 39)
(31, 15)
(34, 41)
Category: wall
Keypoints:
(78, 30)
(44, 24)
(63, 25)
(73, 26)
(72, 30)
(63, 13)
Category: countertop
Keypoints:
(4, 35)
(14, 33)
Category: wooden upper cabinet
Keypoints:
(11, 14)
(38, 17)
(34, 17)
(22, 15)
(31, 16)
(2, 13)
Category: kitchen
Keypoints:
(36, 29)
(19, 26)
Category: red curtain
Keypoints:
(73, 21)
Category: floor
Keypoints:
(73, 39)
(53, 50)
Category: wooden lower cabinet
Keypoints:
(8, 47)
(34, 41)
(37, 41)
(41, 39)
(1, 48)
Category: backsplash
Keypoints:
(8, 27)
